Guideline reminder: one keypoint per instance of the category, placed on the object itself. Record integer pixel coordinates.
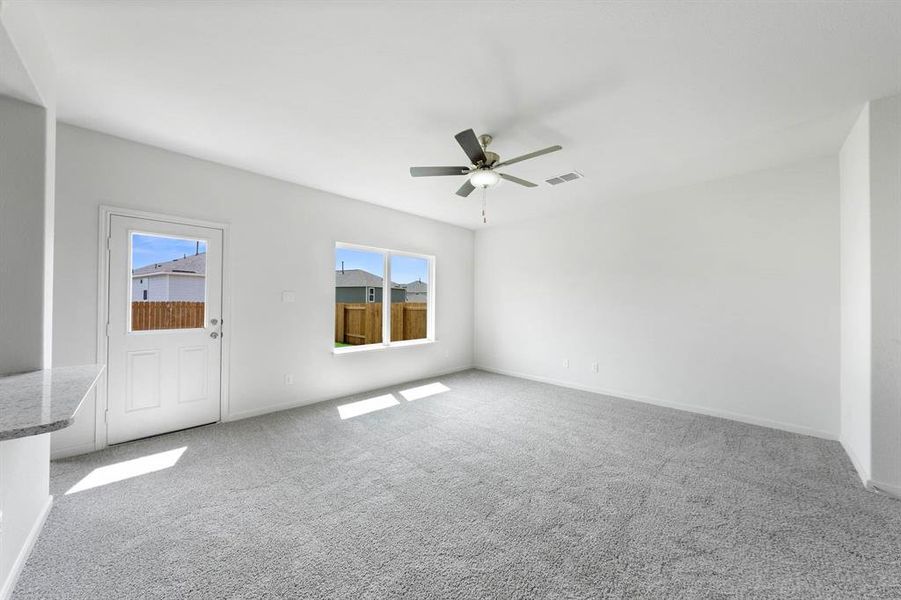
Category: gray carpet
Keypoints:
(498, 488)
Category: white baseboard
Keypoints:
(12, 577)
(72, 451)
(265, 410)
(702, 410)
(858, 466)
(885, 488)
(871, 484)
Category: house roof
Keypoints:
(359, 278)
(195, 264)
(416, 287)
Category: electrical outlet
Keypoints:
(288, 296)
(594, 367)
(565, 363)
(289, 379)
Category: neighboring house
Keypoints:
(359, 286)
(182, 279)
(417, 291)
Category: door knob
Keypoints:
(214, 334)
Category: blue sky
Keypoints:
(149, 249)
(404, 269)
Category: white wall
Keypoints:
(871, 294)
(27, 146)
(24, 481)
(282, 238)
(721, 298)
(186, 288)
(177, 288)
(854, 162)
(138, 286)
(885, 228)
(22, 207)
(158, 288)
(24, 463)
(27, 73)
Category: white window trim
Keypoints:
(375, 347)
(386, 253)
(131, 238)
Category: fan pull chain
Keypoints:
(484, 205)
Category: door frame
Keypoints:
(106, 214)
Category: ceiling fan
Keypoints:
(482, 173)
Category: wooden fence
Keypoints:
(166, 315)
(358, 324)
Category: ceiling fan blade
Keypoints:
(435, 171)
(518, 180)
(465, 189)
(471, 146)
(547, 150)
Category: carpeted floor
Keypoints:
(497, 488)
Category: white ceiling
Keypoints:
(347, 96)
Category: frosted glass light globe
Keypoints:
(483, 178)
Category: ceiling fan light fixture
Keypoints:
(484, 178)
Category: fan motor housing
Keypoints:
(491, 158)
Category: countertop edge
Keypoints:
(15, 434)
(23, 432)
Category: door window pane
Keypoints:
(168, 282)
(358, 297)
(409, 298)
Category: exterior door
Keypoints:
(165, 327)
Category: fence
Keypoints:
(166, 315)
(358, 324)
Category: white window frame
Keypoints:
(386, 342)
(131, 237)
(370, 295)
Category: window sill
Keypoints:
(375, 347)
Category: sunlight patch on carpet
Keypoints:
(355, 409)
(424, 391)
(128, 469)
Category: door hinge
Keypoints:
(108, 243)
(107, 330)
(106, 416)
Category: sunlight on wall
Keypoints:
(424, 391)
(128, 469)
(355, 409)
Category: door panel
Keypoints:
(143, 380)
(192, 370)
(165, 317)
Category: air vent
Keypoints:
(571, 176)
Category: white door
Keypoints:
(165, 326)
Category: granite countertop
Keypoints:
(43, 401)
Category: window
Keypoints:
(410, 299)
(168, 282)
(364, 277)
